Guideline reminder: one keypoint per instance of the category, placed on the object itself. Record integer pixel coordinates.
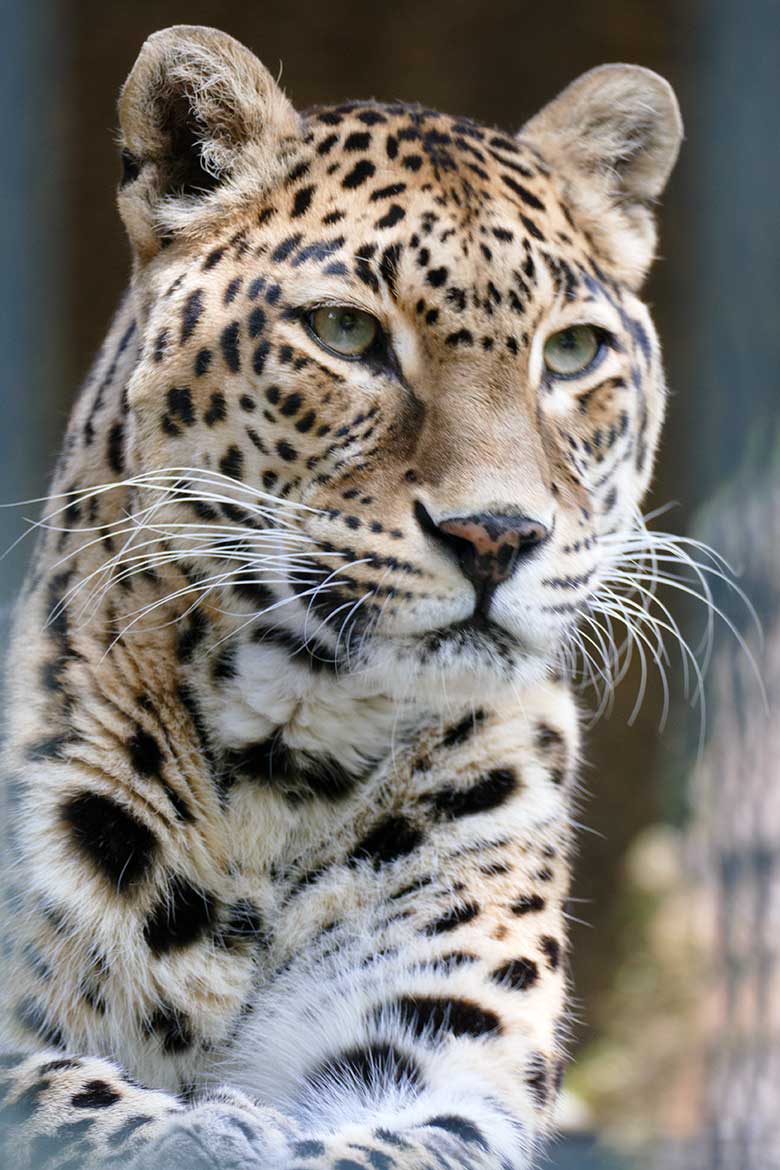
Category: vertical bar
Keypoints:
(32, 216)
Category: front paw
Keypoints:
(226, 1132)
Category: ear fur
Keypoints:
(613, 136)
(203, 127)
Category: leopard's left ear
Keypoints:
(613, 136)
(203, 126)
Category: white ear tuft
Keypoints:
(202, 123)
(613, 136)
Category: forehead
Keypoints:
(408, 170)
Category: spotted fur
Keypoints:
(289, 814)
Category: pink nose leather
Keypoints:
(492, 543)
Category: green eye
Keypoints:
(572, 350)
(349, 332)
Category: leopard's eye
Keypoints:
(572, 350)
(349, 332)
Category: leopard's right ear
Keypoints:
(204, 126)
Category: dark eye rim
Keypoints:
(377, 346)
(605, 341)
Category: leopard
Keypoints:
(293, 741)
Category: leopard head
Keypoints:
(395, 370)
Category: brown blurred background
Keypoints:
(713, 292)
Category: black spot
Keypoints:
(202, 362)
(363, 267)
(63, 1065)
(217, 411)
(270, 761)
(532, 228)
(179, 399)
(243, 923)
(259, 357)
(519, 974)
(388, 267)
(437, 277)
(387, 192)
(547, 737)
(286, 248)
(527, 196)
(308, 1148)
(183, 915)
(172, 1027)
(453, 918)
(411, 162)
(286, 451)
(117, 844)
(232, 290)
(302, 202)
(232, 463)
(191, 635)
(257, 321)
(373, 1065)
(145, 753)
(489, 792)
(391, 217)
(459, 1127)
(551, 949)
(460, 337)
(224, 664)
(160, 345)
(358, 140)
(229, 344)
(392, 838)
(191, 313)
(95, 1095)
(361, 171)
(306, 422)
(429, 1016)
(253, 591)
(536, 1078)
(115, 449)
(460, 732)
(214, 257)
(527, 904)
(291, 404)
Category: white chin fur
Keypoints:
(453, 674)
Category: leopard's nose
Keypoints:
(489, 545)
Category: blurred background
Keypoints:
(676, 914)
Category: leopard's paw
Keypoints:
(226, 1132)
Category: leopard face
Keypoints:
(428, 505)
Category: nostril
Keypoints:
(531, 532)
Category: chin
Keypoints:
(466, 662)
